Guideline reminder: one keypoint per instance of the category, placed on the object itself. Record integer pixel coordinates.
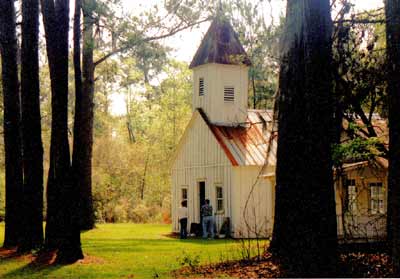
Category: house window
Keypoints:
(184, 194)
(351, 195)
(229, 94)
(220, 198)
(377, 198)
(201, 86)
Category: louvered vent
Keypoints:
(229, 94)
(201, 87)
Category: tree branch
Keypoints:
(361, 21)
(148, 39)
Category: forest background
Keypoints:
(142, 99)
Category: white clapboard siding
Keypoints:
(199, 158)
(215, 78)
(255, 219)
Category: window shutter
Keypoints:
(201, 86)
(229, 94)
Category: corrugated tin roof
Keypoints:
(377, 162)
(250, 143)
(220, 45)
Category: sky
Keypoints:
(186, 43)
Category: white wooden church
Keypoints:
(222, 153)
(228, 154)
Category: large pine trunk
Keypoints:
(12, 118)
(31, 128)
(392, 9)
(305, 235)
(62, 228)
(83, 124)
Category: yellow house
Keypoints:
(361, 195)
(227, 154)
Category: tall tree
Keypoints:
(62, 228)
(131, 37)
(392, 9)
(12, 118)
(83, 123)
(31, 128)
(305, 235)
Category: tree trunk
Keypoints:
(305, 235)
(253, 82)
(12, 119)
(31, 128)
(392, 8)
(143, 182)
(129, 126)
(62, 228)
(83, 125)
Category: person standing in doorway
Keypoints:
(208, 219)
(183, 217)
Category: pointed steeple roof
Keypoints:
(220, 45)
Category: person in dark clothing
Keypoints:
(208, 219)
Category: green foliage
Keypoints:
(355, 150)
(360, 80)
(359, 63)
(139, 145)
(132, 151)
(191, 261)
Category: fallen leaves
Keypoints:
(360, 265)
(265, 268)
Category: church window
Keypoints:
(377, 198)
(220, 198)
(184, 194)
(351, 195)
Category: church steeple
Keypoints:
(220, 45)
(220, 71)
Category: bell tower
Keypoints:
(220, 75)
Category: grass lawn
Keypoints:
(126, 251)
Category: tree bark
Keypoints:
(31, 128)
(305, 235)
(12, 119)
(83, 125)
(143, 182)
(62, 228)
(392, 9)
(253, 82)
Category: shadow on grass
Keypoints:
(43, 263)
(6, 253)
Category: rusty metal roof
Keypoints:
(220, 45)
(249, 143)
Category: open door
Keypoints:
(202, 200)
